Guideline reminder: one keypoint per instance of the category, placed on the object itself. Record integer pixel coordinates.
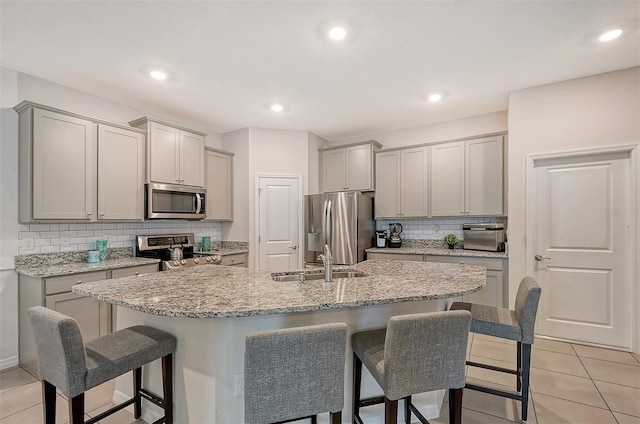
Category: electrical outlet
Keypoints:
(239, 385)
(64, 241)
(27, 243)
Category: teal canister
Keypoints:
(101, 246)
(93, 256)
(206, 244)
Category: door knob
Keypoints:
(540, 258)
(293, 247)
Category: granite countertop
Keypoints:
(54, 270)
(438, 251)
(220, 291)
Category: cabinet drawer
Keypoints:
(395, 257)
(234, 260)
(64, 283)
(134, 270)
(495, 264)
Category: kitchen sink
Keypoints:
(313, 275)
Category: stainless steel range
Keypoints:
(176, 251)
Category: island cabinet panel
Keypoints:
(349, 167)
(219, 185)
(77, 168)
(402, 183)
(175, 155)
(121, 160)
(467, 177)
(239, 260)
(95, 318)
(495, 292)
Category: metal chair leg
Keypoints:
(526, 368)
(357, 378)
(519, 367)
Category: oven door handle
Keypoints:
(198, 203)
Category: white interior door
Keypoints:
(280, 210)
(583, 239)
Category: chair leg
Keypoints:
(390, 411)
(357, 378)
(167, 387)
(519, 367)
(455, 406)
(336, 417)
(526, 368)
(407, 410)
(314, 419)
(137, 385)
(76, 409)
(49, 402)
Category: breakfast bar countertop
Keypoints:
(222, 291)
(437, 251)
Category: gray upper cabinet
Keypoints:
(120, 173)
(348, 167)
(219, 185)
(174, 155)
(402, 183)
(467, 177)
(76, 168)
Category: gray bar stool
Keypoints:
(416, 353)
(65, 362)
(508, 324)
(295, 373)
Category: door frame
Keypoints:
(634, 243)
(256, 213)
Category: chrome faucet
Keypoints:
(327, 261)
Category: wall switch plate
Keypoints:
(238, 385)
(64, 241)
(27, 243)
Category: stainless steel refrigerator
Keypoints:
(344, 221)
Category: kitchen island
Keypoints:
(210, 309)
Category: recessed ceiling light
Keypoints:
(435, 97)
(158, 75)
(277, 107)
(610, 35)
(337, 33)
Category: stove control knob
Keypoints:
(183, 262)
(208, 259)
(196, 261)
(175, 263)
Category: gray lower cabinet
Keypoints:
(239, 260)
(494, 294)
(393, 256)
(496, 291)
(94, 317)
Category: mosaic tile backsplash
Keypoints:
(54, 238)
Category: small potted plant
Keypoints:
(450, 240)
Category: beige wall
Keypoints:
(597, 111)
(459, 128)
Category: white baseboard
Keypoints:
(147, 414)
(9, 362)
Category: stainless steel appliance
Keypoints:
(174, 250)
(342, 220)
(489, 237)
(169, 201)
(394, 235)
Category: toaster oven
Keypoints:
(490, 237)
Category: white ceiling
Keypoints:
(229, 60)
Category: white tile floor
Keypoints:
(569, 384)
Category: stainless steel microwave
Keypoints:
(169, 201)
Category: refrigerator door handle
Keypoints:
(326, 224)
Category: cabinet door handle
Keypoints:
(102, 214)
(461, 212)
(89, 213)
(79, 282)
(137, 273)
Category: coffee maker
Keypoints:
(394, 235)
